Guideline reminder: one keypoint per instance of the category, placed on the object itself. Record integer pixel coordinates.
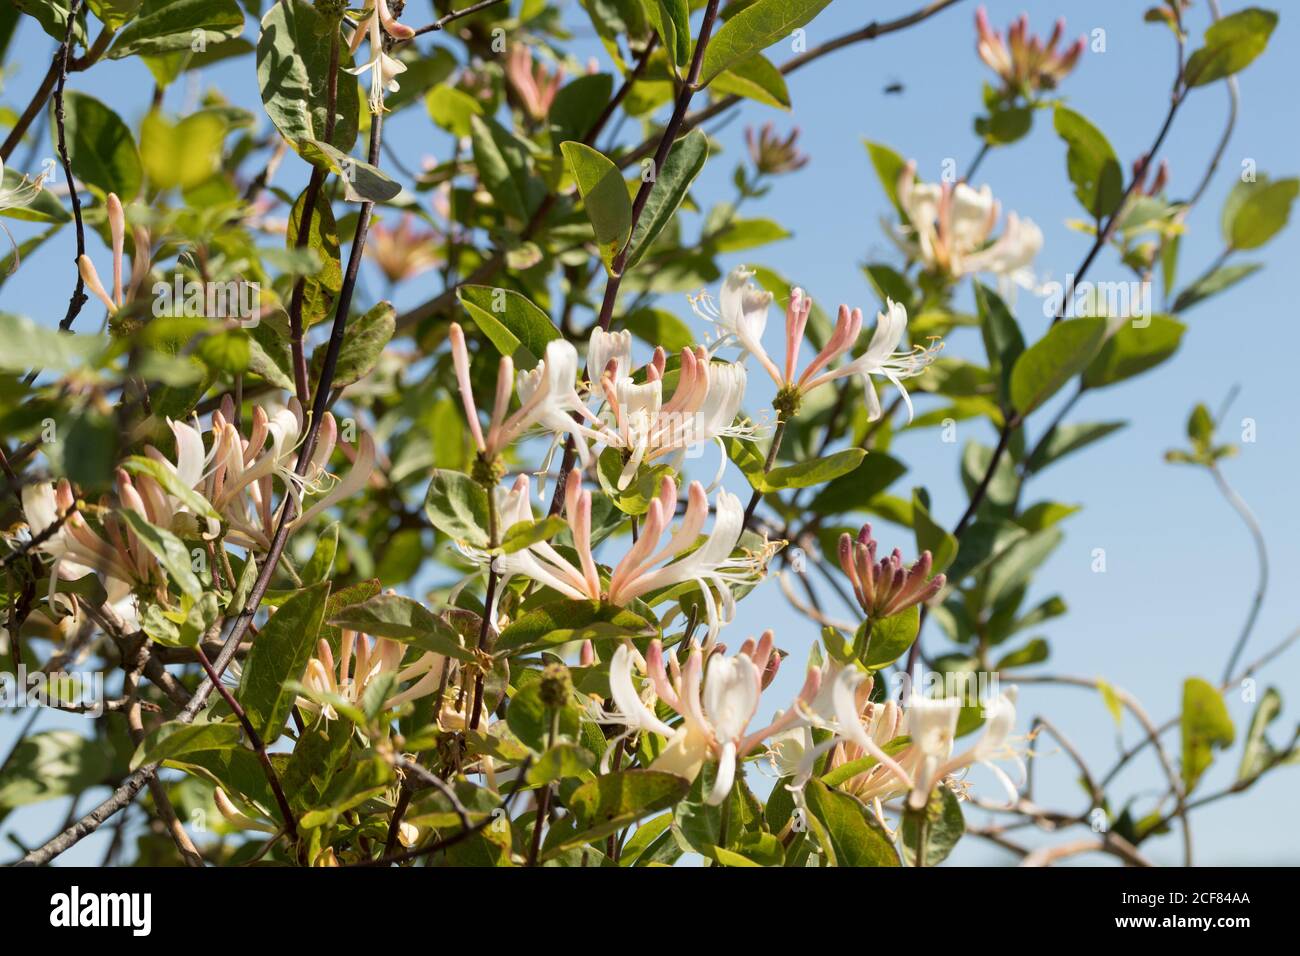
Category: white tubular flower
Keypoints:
(740, 315)
(716, 708)
(383, 69)
(548, 398)
(117, 234)
(240, 483)
(643, 568)
(710, 566)
(362, 662)
(703, 406)
(743, 316)
(76, 548)
(20, 194)
(932, 725)
(882, 356)
(951, 231)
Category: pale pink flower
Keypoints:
(535, 83)
(647, 566)
(1025, 64)
(716, 700)
(548, 398)
(950, 231)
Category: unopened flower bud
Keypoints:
(557, 686)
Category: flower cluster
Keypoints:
(1025, 63)
(741, 316)
(950, 232)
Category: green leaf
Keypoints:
(1133, 350)
(1258, 753)
(672, 20)
(854, 491)
(168, 549)
(755, 28)
(890, 637)
(930, 535)
(511, 322)
(451, 109)
(101, 147)
(757, 79)
(674, 181)
(1018, 562)
(888, 166)
(561, 622)
(362, 182)
(1035, 652)
(1214, 282)
(499, 159)
(659, 327)
(1064, 439)
(25, 345)
(181, 154)
(402, 619)
(293, 55)
(806, 474)
(53, 763)
(605, 197)
(458, 507)
(322, 286)
(946, 827)
(846, 832)
(578, 106)
(615, 800)
(1053, 360)
(1257, 211)
(279, 656)
(226, 351)
(1003, 341)
(166, 26)
(321, 565)
(114, 14)
(1206, 726)
(171, 483)
(364, 341)
(1091, 164)
(525, 534)
(562, 761)
(1231, 44)
(175, 739)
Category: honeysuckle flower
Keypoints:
(1156, 186)
(858, 728)
(535, 84)
(932, 726)
(20, 194)
(716, 702)
(703, 407)
(885, 587)
(401, 251)
(951, 232)
(77, 549)
(140, 260)
(1025, 64)
(647, 566)
(548, 398)
(382, 68)
(741, 315)
(772, 155)
(362, 663)
(237, 475)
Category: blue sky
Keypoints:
(1180, 568)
